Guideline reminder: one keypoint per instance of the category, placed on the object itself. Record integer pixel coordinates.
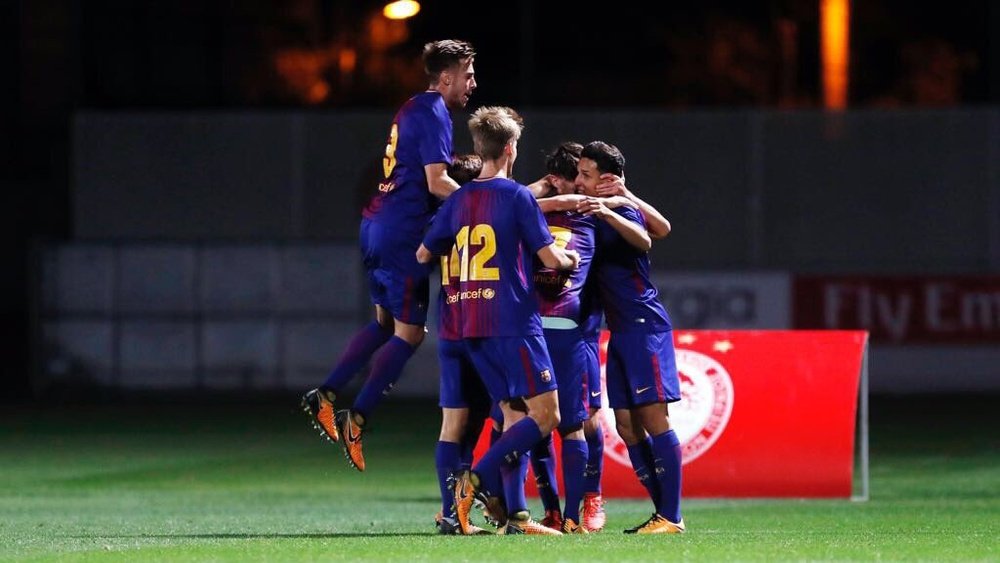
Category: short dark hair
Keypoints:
(440, 55)
(465, 168)
(562, 161)
(608, 158)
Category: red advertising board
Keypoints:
(902, 310)
(762, 414)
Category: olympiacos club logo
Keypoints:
(699, 418)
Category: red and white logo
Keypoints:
(699, 418)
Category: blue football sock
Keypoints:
(447, 460)
(647, 452)
(512, 444)
(543, 464)
(356, 355)
(574, 460)
(513, 475)
(667, 466)
(643, 470)
(386, 369)
(595, 461)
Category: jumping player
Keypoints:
(415, 165)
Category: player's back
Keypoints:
(498, 228)
(421, 134)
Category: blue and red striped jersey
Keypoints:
(631, 302)
(420, 135)
(559, 292)
(488, 233)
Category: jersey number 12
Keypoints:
(460, 265)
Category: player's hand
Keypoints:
(574, 257)
(424, 256)
(593, 206)
(611, 185)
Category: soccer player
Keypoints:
(559, 297)
(611, 187)
(463, 400)
(641, 370)
(415, 165)
(557, 189)
(488, 232)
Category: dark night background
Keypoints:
(63, 56)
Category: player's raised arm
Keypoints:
(540, 188)
(633, 233)
(613, 185)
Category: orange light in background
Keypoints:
(347, 60)
(835, 48)
(401, 9)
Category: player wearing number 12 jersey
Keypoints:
(489, 231)
(415, 165)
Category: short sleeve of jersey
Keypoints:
(440, 238)
(531, 222)
(435, 134)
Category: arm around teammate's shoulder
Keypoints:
(614, 186)
(633, 233)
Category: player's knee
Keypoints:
(572, 431)
(626, 432)
(384, 319)
(547, 419)
(552, 421)
(412, 334)
(418, 339)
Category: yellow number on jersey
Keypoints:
(462, 245)
(483, 235)
(450, 266)
(389, 161)
(562, 236)
(460, 265)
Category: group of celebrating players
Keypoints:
(527, 273)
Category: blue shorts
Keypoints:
(593, 371)
(641, 369)
(460, 386)
(569, 358)
(396, 281)
(512, 366)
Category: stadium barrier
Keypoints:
(270, 316)
(762, 414)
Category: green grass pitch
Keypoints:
(255, 482)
